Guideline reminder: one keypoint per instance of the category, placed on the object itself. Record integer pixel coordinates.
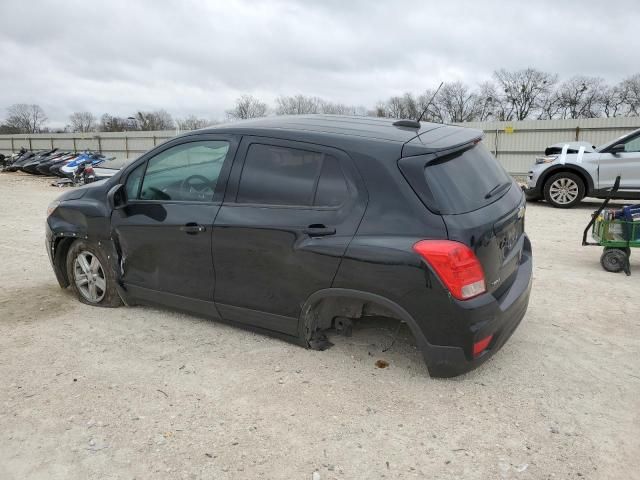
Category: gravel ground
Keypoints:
(148, 393)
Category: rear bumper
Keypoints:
(479, 318)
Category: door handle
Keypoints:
(319, 230)
(192, 228)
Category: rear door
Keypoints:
(289, 213)
(480, 203)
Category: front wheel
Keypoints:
(614, 259)
(90, 275)
(564, 190)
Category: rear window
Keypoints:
(458, 183)
(274, 175)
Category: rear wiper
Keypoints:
(496, 189)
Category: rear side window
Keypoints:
(332, 187)
(458, 183)
(274, 175)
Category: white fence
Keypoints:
(515, 144)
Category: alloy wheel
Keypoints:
(89, 277)
(564, 190)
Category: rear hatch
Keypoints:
(480, 203)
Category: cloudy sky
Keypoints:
(196, 57)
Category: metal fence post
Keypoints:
(99, 144)
(126, 145)
(13, 149)
(51, 143)
(577, 133)
(30, 145)
(75, 150)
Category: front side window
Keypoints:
(187, 172)
(274, 175)
(632, 145)
(132, 186)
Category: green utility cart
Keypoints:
(618, 231)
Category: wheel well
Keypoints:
(328, 308)
(320, 310)
(61, 247)
(588, 183)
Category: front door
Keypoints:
(289, 213)
(164, 231)
(626, 164)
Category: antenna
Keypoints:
(429, 103)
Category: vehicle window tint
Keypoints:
(132, 187)
(466, 181)
(279, 176)
(332, 186)
(632, 145)
(187, 172)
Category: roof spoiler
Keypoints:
(447, 137)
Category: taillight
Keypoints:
(456, 265)
(481, 345)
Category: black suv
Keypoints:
(298, 225)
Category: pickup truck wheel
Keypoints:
(564, 190)
(90, 276)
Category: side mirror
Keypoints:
(617, 148)
(117, 197)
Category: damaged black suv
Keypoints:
(294, 226)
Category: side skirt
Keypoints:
(284, 328)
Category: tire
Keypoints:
(98, 289)
(613, 259)
(564, 190)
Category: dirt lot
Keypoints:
(147, 393)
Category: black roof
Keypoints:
(356, 127)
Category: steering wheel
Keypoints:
(197, 184)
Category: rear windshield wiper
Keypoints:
(496, 189)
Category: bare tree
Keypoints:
(550, 106)
(488, 104)
(246, 107)
(331, 108)
(25, 118)
(522, 91)
(458, 102)
(630, 91)
(580, 97)
(153, 121)
(8, 130)
(428, 103)
(193, 123)
(82, 122)
(613, 101)
(395, 108)
(298, 105)
(111, 123)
